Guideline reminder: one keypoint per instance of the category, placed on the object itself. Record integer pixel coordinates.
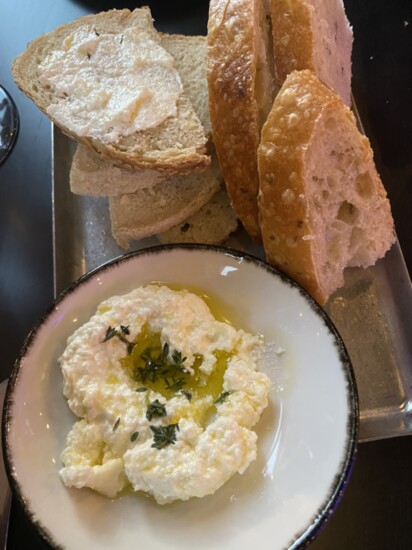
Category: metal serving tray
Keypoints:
(373, 312)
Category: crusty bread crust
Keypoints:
(322, 204)
(315, 35)
(234, 29)
(177, 145)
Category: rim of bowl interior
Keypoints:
(308, 533)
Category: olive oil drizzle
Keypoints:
(151, 365)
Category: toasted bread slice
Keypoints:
(212, 224)
(240, 96)
(190, 53)
(170, 138)
(92, 175)
(322, 204)
(154, 210)
(315, 35)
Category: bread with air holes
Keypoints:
(322, 204)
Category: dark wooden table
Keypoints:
(376, 510)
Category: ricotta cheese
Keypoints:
(111, 85)
(166, 395)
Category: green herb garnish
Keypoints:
(158, 365)
(116, 424)
(164, 435)
(222, 397)
(121, 334)
(187, 394)
(134, 436)
(110, 332)
(176, 384)
(155, 409)
(141, 390)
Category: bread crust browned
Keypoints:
(232, 59)
(314, 35)
(293, 205)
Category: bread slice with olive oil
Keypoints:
(91, 175)
(80, 75)
(322, 204)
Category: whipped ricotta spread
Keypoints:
(166, 397)
(111, 85)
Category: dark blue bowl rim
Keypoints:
(310, 532)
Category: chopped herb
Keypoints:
(164, 435)
(110, 332)
(187, 394)
(155, 409)
(222, 397)
(165, 352)
(88, 56)
(121, 334)
(134, 436)
(179, 360)
(142, 389)
(96, 33)
(121, 39)
(155, 366)
(176, 384)
(116, 424)
(185, 227)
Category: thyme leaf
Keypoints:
(176, 384)
(222, 397)
(116, 425)
(155, 409)
(121, 334)
(187, 394)
(110, 332)
(134, 436)
(164, 435)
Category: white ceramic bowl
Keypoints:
(307, 435)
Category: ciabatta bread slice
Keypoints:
(322, 204)
(92, 175)
(240, 83)
(315, 35)
(150, 211)
(83, 76)
(212, 224)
